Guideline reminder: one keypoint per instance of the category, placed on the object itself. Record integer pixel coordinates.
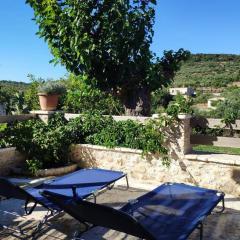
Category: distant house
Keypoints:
(186, 91)
(2, 109)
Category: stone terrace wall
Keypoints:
(219, 175)
(9, 158)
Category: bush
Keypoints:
(31, 97)
(202, 97)
(82, 97)
(131, 134)
(3, 143)
(51, 87)
(48, 145)
(229, 109)
(180, 105)
(160, 99)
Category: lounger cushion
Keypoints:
(173, 211)
(86, 182)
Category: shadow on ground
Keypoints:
(217, 226)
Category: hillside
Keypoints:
(209, 70)
(201, 70)
(13, 86)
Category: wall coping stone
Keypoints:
(116, 149)
(41, 112)
(184, 116)
(224, 159)
(7, 149)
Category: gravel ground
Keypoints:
(217, 226)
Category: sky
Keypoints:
(200, 26)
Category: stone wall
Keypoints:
(9, 158)
(224, 176)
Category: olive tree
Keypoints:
(109, 41)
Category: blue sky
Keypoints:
(201, 26)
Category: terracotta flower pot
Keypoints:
(48, 102)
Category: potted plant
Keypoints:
(49, 93)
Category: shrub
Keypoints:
(179, 105)
(229, 109)
(51, 87)
(83, 97)
(202, 97)
(160, 99)
(31, 97)
(131, 134)
(3, 143)
(48, 145)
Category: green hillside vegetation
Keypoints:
(12, 95)
(209, 70)
(13, 86)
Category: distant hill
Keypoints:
(209, 70)
(13, 85)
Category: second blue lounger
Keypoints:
(170, 212)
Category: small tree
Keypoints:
(109, 41)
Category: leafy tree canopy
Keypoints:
(108, 40)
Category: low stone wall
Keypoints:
(224, 176)
(9, 158)
(217, 171)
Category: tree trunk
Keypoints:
(136, 102)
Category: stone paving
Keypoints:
(225, 226)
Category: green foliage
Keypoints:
(40, 142)
(160, 100)
(33, 166)
(48, 145)
(95, 129)
(202, 97)
(229, 109)
(4, 97)
(3, 143)
(84, 36)
(13, 86)
(51, 87)
(3, 126)
(31, 92)
(180, 105)
(82, 97)
(8, 94)
(131, 134)
(208, 131)
(214, 149)
(209, 70)
(18, 104)
(109, 41)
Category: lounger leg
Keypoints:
(200, 227)
(47, 217)
(77, 234)
(127, 181)
(94, 197)
(223, 207)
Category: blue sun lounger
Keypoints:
(84, 183)
(170, 212)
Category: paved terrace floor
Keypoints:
(217, 226)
